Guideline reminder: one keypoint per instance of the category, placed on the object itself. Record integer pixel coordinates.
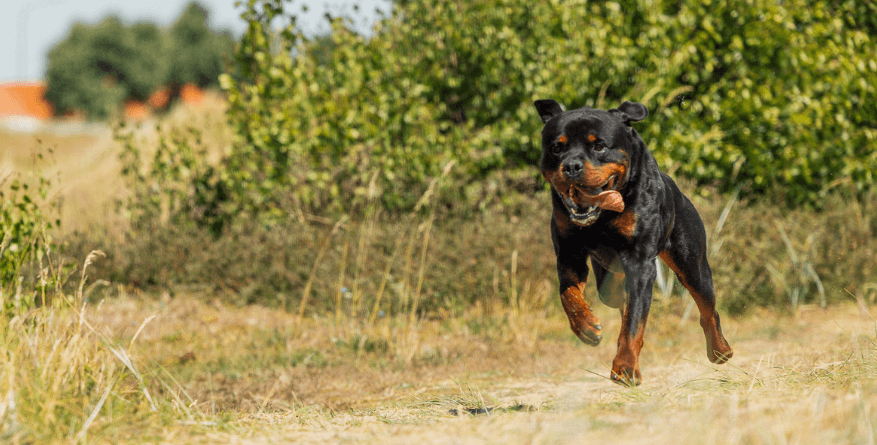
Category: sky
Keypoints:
(30, 28)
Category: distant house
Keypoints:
(189, 94)
(24, 99)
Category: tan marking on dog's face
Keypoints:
(557, 180)
(562, 139)
(597, 176)
(592, 177)
(592, 138)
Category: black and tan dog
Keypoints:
(613, 205)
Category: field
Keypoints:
(247, 376)
(397, 361)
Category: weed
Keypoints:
(62, 378)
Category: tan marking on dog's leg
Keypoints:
(717, 348)
(625, 366)
(582, 321)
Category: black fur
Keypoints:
(658, 220)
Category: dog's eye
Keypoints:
(557, 149)
(599, 148)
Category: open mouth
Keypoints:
(586, 204)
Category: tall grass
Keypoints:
(376, 283)
(61, 378)
(434, 264)
(783, 258)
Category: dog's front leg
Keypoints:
(573, 277)
(640, 279)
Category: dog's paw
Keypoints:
(717, 348)
(625, 369)
(626, 376)
(591, 332)
(719, 353)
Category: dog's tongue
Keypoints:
(608, 200)
(611, 200)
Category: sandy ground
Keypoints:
(803, 378)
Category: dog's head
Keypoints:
(586, 155)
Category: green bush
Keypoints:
(327, 129)
(27, 215)
(175, 186)
(781, 101)
(767, 97)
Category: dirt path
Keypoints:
(803, 379)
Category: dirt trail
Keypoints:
(803, 379)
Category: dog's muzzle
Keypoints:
(586, 205)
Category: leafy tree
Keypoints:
(195, 51)
(97, 67)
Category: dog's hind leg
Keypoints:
(694, 273)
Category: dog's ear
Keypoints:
(547, 109)
(631, 112)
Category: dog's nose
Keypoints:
(573, 168)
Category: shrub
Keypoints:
(327, 129)
(26, 216)
(768, 98)
(781, 96)
(740, 98)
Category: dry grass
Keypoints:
(84, 165)
(194, 370)
(83, 168)
(501, 378)
(62, 379)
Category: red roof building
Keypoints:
(25, 99)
